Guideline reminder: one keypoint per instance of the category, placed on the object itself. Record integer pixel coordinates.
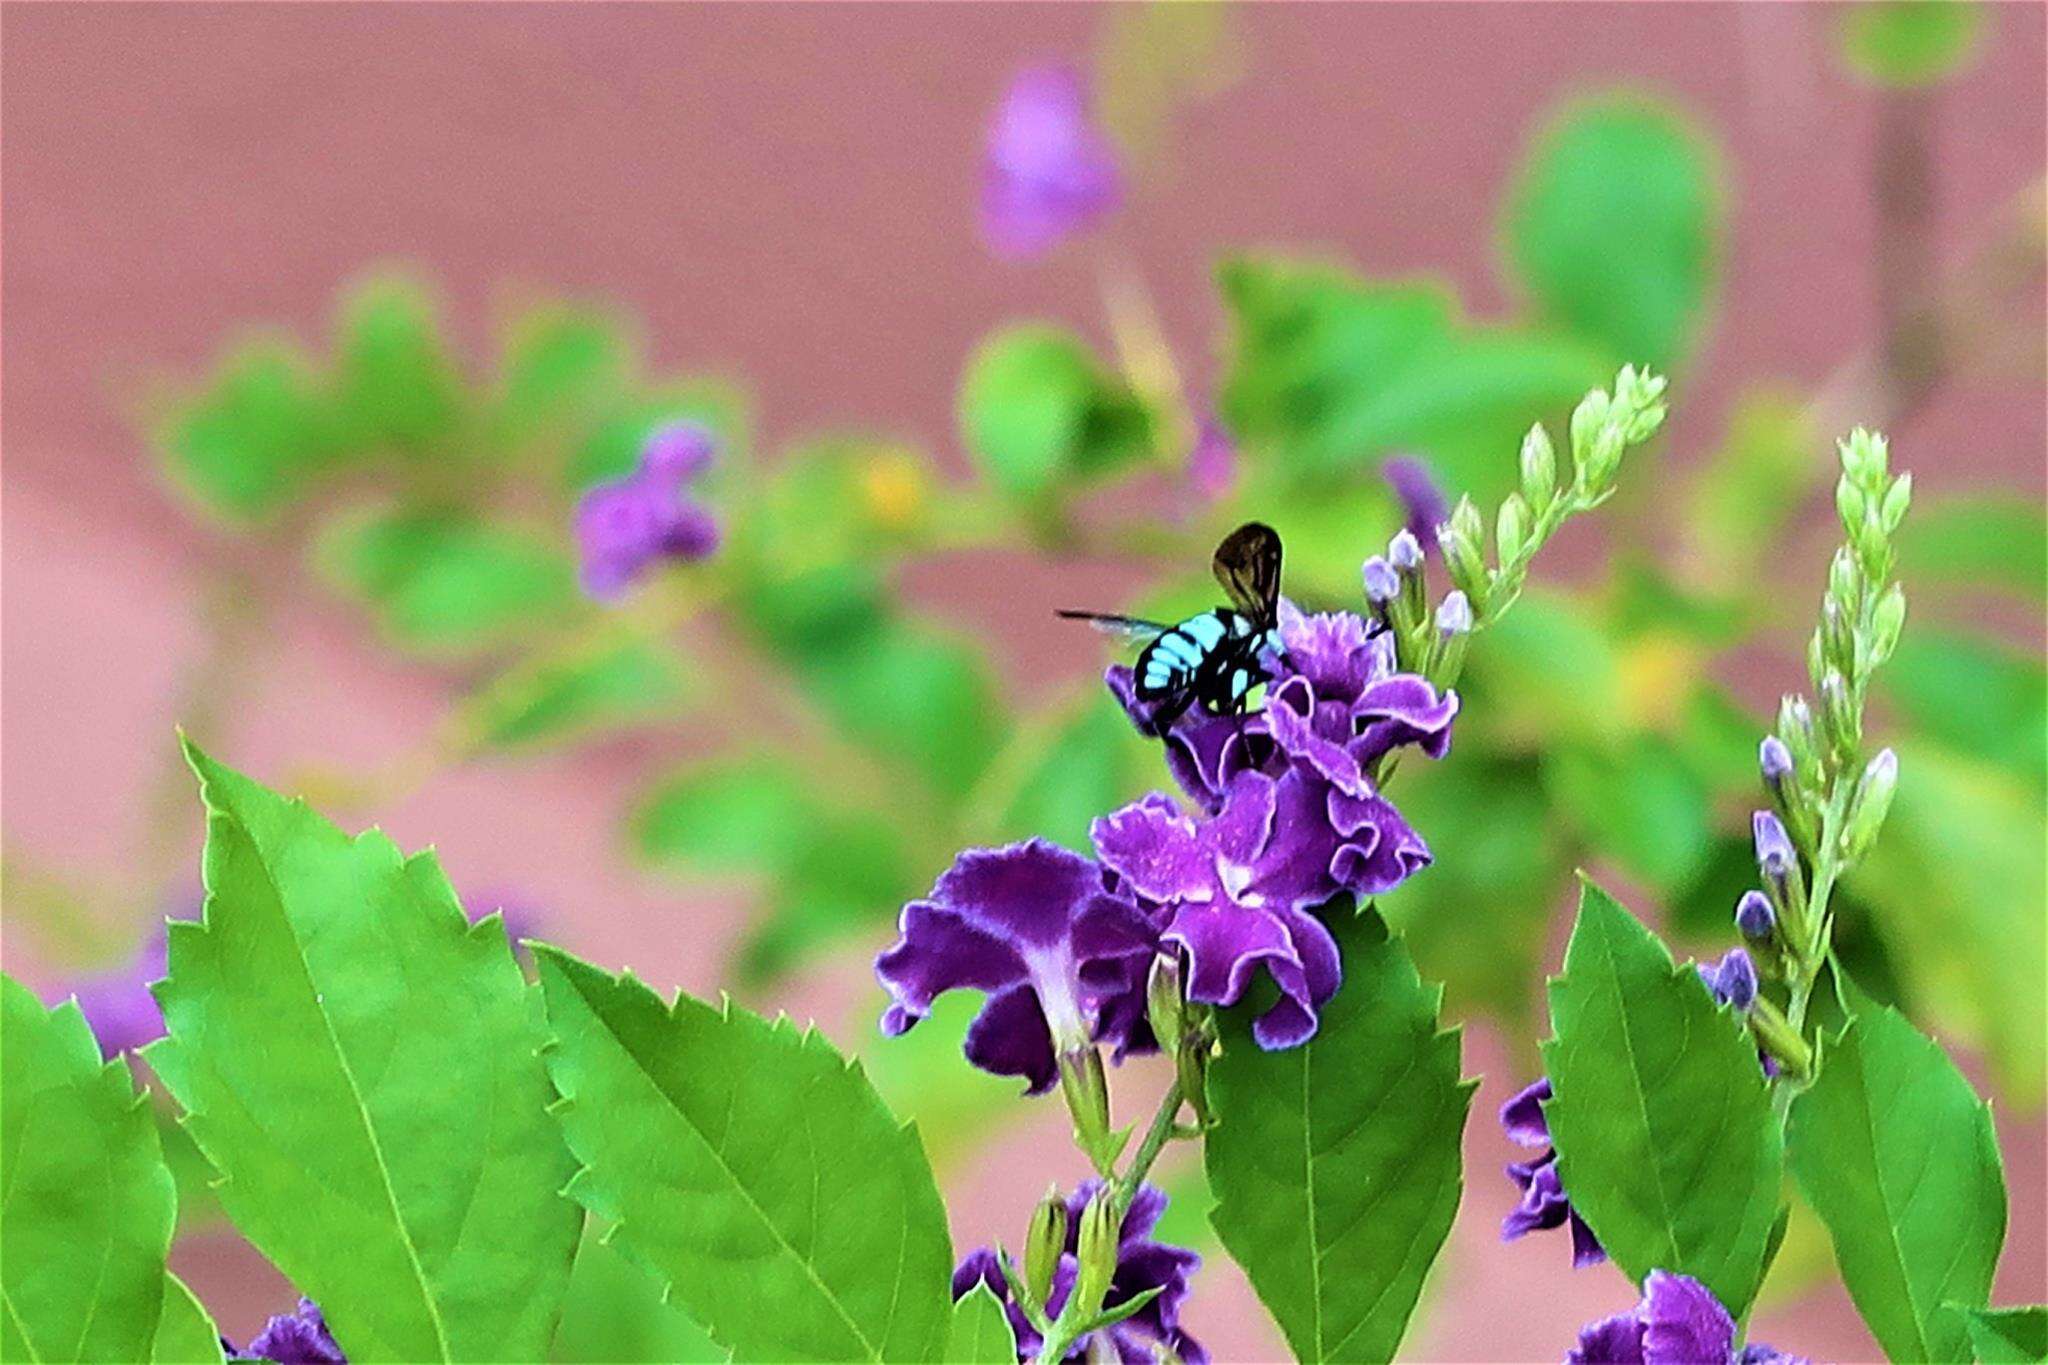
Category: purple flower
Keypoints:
(117, 1004)
(1049, 172)
(1382, 584)
(298, 1338)
(1454, 613)
(1774, 760)
(1733, 979)
(1419, 494)
(1774, 852)
(1141, 1265)
(1544, 1202)
(626, 526)
(1061, 954)
(1678, 1322)
(1754, 916)
(1234, 892)
(1212, 464)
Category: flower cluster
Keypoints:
(296, 1338)
(626, 526)
(1136, 1265)
(1678, 1322)
(1544, 1203)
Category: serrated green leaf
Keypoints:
(395, 381)
(2007, 1336)
(615, 1311)
(89, 1206)
(750, 1166)
(440, 579)
(1958, 887)
(1908, 43)
(605, 688)
(1336, 1163)
(185, 1334)
(980, 1333)
(1996, 541)
(1663, 1126)
(1611, 227)
(1897, 1154)
(1038, 410)
(252, 440)
(358, 1061)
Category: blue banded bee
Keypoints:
(1214, 658)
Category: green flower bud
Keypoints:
(1163, 1001)
(1839, 715)
(1870, 804)
(1461, 542)
(1539, 469)
(1097, 1253)
(1896, 499)
(1845, 585)
(1795, 727)
(1086, 1090)
(1588, 418)
(1851, 504)
(1511, 530)
(1886, 622)
(1044, 1244)
(1864, 455)
(1604, 459)
(1837, 638)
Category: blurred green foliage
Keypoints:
(1909, 43)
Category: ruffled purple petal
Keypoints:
(1294, 869)
(1025, 894)
(1611, 1341)
(1586, 1248)
(1380, 850)
(1155, 847)
(1522, 1117)
(1543, 1204)
(1304, 988)
(1295, 732)
(1757, 1353)
(1329, 649)
(1683, 1323)
(297, 1338)
(1225, 943)
(940, 951)
(1010, 1038)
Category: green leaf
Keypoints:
(256, 436)
(608, 687)
(441, 580)
(1663, 1126)
(359, 1062)
(916, 696)
(850, 871)
(185, 1334)
(1611, 227)
(744, 814)
(615, 1311)
(1638, 803)
(2007, 1336)
(1934, 670)
(1749, 489)
(980, 1334)
(397, 384)
(957, 1108)
(1038, 411)
(1312, 346)
(1093, 762)
(1958, 887)
(612, 447)
(564, 369)
(1997, 542)
(1897, 1155)
(1908, 43)
(89, 1205)
(1548, 677)
(752, 1168)
(1336, 1163)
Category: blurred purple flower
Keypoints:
(1142, 1264)
(1544, 1203)
(1212, 465)
(1234, 891)
(626, 526)
(1048, 172)
(1420, 495)
(521, 917)
(1678, 1322)
(297, 1338)
(118, 1005)
(1061, 954)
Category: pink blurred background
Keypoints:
(785, 193)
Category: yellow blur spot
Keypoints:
(893, 485)
(1658, 673)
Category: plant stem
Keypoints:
(1161, 1132)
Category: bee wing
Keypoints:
(1248, 567)
(1123, 627)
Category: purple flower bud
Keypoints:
(623, 528)
(297, 1338)
(1424, 500)
(1755, 918)
(1404, 551)
(1775, 760)
(1382, 584)
(678, 451)
(1735, 979)
(1454, 614)
(1774, 852)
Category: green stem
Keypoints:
(1162, 1131)
(1806, 958)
